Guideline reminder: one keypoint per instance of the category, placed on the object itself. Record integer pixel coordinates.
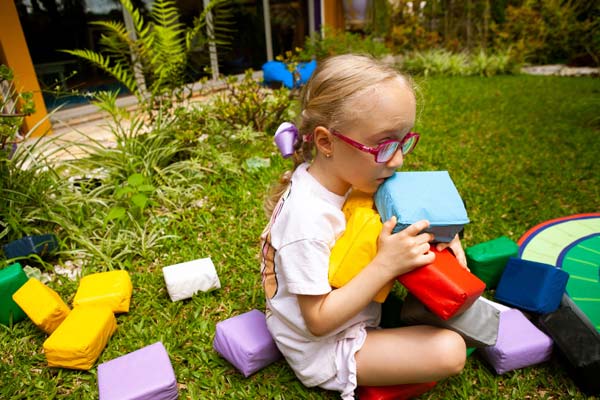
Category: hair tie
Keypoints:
(285, 138)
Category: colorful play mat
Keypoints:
(573, 244)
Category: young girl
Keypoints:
(354, 132)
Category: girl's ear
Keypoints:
(323, 141)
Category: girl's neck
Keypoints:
(324, 175)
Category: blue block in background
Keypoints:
(430, 195)
(41, 245)
(531, 286)
(278, 72)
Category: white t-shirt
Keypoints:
(296, 246)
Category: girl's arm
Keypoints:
(397, 254)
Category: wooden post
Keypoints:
(333, 15)
(15, 54)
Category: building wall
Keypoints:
(15, 54)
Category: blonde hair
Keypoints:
(325, 99)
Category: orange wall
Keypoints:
(333, 14)
(15, 54)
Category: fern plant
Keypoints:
(152, 63)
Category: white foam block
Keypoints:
(186, 279)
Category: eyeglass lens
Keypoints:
(409, 145)
(387, 152)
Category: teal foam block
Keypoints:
(430, 195)
(488, 259)
(11, 280)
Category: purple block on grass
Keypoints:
(531, 285)
(144, 374)
(520, 344)
(245, 342)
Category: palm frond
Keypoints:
(122, 74)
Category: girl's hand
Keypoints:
(406, 250)
(457, 249)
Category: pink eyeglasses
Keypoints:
(386, 150)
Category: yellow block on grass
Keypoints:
(42, 305)
(112, 288)
(79, 340)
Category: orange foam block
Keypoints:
(42, 305)
(444, 286)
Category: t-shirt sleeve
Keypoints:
(304, 265)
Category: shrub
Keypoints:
(444, 62)
(335, 42)
(248, 103)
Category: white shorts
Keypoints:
(345, 379)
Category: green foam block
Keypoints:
(487, 260)
(11, 279)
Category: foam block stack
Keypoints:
(144, 374)
(43, 305)
(245, 342)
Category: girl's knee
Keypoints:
(453, 352)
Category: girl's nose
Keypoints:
(397, 160)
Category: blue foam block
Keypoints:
(430, 195)
(277, 71)
(36, 244)
(531, 285)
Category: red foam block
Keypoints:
(444, 286)
(396, 392)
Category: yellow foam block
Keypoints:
(355, 200)
(42, 305)
(112, 288)
(356, 248)
(79, 340)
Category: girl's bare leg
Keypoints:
(409, 355)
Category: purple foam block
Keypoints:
(245, 342)
(145, 374)
(520, 344)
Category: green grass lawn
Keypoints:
(520, 149)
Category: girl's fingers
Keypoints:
(416, 228)
(388, 226)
